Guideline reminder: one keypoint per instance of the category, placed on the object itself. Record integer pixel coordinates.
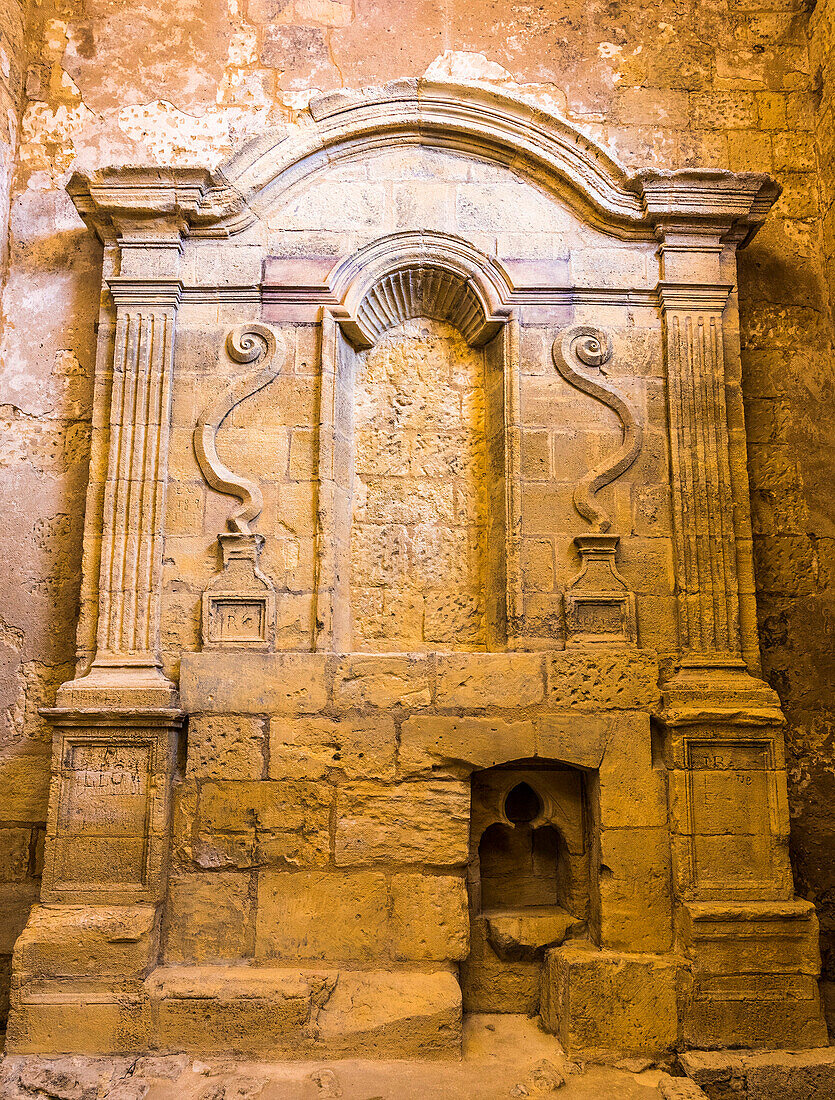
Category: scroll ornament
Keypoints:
(593, 348)
(239, 604)
(244, 344)
(599, 608)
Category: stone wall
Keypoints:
(671, 84)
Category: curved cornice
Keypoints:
(461, 118)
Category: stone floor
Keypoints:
(504, 1056)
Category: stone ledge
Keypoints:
(265, 1013)
(764, 1075)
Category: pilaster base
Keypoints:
(755, 970)
(605, 1005)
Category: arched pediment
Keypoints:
(467, 119)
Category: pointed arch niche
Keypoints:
(418, 507)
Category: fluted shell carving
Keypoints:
(586, 346)
(247, 343)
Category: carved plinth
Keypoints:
(599, 608)
(107, 830)
(239, 604)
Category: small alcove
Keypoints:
(528, 880)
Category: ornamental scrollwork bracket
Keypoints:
(244, 344)
(238, 609)
(591, 347)
(599, 607)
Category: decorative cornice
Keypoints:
(461, 118)
(693, 296)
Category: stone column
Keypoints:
(752, 945)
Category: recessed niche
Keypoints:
(529, 882)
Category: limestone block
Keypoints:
(14, 854)
(579, 739)
(24, 786)
(310, 748)
(430, 918)
(209, 917)
(253, 683)
(789, 1075)
(266, 822)
(204, 1009)
(68, 941)
(635, 904)
(227, 746)
(382, 682)
(73, 1022)
(604, 679)
(491, 984)
(419, 822)
(313, 1013)
(604, 1004)
(490, 679)
(427, 741)
(379, 1014)
(632, 792)
(321, 915)
(15, 902)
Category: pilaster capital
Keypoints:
(142, 203)
(726, 206)
(129, 293)
(700, 297)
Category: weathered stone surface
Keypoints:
(603, 1004)
(312, 748)
(759, 1076)
(322, 915)
(490, 680)
(602, 680)
(209, 917)
(226, 747)
(253, 683)
(73, 941)
(432, 740)
(429, 917)
(382, 682)
(415, 822)
(248, 823)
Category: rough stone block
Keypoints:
(67, 941)
(15, 902)
(604, 1004)
(635, 903)
(380, 681)
(604, 680)
(267, 822)
(430, 918)
(311, 748)
(317, 1014)
(209, 918)
(420, 822)
(430, 740)
(227, 746)
(322, 915)
(72, 1022)
(490, 680)
(253, 683)
(24, 786)
(766, 1075)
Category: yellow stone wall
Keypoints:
(744, 85)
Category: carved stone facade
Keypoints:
(498, 610)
